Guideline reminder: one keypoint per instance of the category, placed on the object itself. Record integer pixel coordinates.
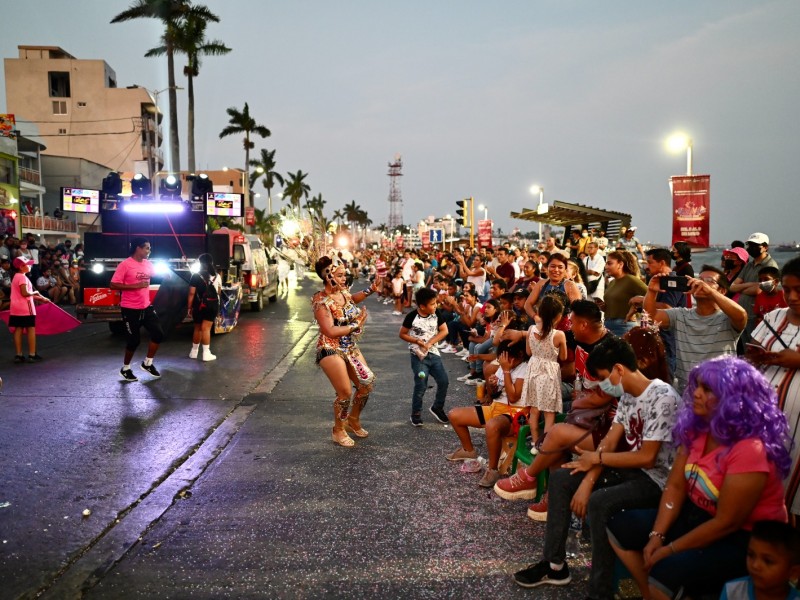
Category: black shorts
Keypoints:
(134, 319)
(200, 315)
(22, 321)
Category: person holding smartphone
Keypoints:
(709, 329)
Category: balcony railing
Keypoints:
(48, 224)
(30, 175)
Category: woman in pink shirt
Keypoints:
(23, 311)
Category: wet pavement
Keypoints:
(220, 480)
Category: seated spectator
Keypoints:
(61, 274)
(599, 484)
(504, 387)
(530, 275)
(707, 330)
(770, 295)
(47, 285)
(773, 561)
(481, 344)
(733, 450)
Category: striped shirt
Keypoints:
(787, 385)
(698, 338)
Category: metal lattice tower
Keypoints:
(395, 196)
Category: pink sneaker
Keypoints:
(516, 487)
(538, 511)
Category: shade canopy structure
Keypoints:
(575, 216)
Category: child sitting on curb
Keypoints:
(498, 416)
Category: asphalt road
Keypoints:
(220, 480)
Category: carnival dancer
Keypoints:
(340, 325)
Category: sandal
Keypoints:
(342, 438)
(357, 431)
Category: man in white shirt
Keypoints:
(595, 268)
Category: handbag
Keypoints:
(590, 419)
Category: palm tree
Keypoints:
(169, 12)
(296, 188)
(314, 207)
(242, 122)
(338, 215)
(266, 168)
(352, 211)
(190, 39)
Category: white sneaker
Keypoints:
(465, 358)
(442, 345)
(193, 354)
(463, 377)
(448, 350)
(396, 312)
(463, 352)
(207, 356)
(473, 382)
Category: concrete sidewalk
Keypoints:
(284, 513)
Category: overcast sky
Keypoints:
(487, 98)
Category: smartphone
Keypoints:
(674, 283)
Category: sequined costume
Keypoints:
(345, 347)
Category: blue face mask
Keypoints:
(612, 389)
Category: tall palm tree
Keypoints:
(314, 207)
(190, 39)
(268, 172)
(242, 122)
(338, 215)
(169, 12)
(296, 188)
(352, 211)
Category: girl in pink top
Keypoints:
(23, 311)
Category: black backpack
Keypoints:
(209, 299)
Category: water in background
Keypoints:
(713, 257)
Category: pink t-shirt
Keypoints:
(132, 271)
(705, 475)
(21, 306)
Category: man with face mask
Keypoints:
(615, 476)
(746, 284)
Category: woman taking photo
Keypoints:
(340, 322)
(623, 268)
(203, 303)
(733, 445)
(555, 278)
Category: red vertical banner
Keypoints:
(485, 233)
(399, 242)
(249, 216)
(691, 209)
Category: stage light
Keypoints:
(112, 185)
(170, 186)
(201, 186)
(98, 268)
(160, 267)
(153, 207)
(140, 185)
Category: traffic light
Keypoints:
(463, 213)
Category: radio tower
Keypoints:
(395, 197)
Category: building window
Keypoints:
(81, 104)
(62, 131)
(59, 84)
(59, 107)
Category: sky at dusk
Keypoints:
(485, 99)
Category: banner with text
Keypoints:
(691, 209)
(485, 233)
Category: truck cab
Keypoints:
(248, 262)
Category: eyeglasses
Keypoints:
(710, 280)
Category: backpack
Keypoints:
(209, 299)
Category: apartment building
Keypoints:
(79, 112)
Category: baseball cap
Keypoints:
(741, 253)
(632, 228)
(759, 238)
(19, 261)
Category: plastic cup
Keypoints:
(480, 390)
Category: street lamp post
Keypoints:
(537, 189)
(485, 210)
(678, 142)
(156, 94)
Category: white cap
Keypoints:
(759, 238)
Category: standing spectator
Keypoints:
(132, 278)
(778, 354)
(423, 328)
(630, 243)
(682, 253)
(733, 261)
(398, 287)
(203, 303)
(602, 243)
(623, 269)
(732, 453)
(595, 270)
(769, 295)
(708, 330)
(23, 311)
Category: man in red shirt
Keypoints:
(504, 270)
(132, 278)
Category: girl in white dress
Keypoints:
(546, 346)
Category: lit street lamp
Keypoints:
(542, 207)
(485, 210)
(678, 142)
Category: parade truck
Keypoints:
(177, 234)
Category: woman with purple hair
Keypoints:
(733, 451)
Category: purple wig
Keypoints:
(747, 407)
